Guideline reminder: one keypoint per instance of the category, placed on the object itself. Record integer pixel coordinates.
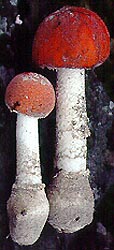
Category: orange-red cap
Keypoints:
(30, 94)
(72, 37)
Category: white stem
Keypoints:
(28, 160)
(28, 207)
(70, 195)
(71, 120)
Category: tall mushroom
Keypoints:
(32, 97)
(71, 40)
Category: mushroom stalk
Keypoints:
(70, 195)
(27, 206)
(71, 120)
(28, 159)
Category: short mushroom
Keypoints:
(71, 40)
(32, 97)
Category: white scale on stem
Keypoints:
(71, 120)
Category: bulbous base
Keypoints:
(28, 211)
(71, 201)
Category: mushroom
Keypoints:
(32, 97)
(71, 40)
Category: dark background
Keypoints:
(15, 57)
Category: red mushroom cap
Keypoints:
(30, 94)
(72, 37)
